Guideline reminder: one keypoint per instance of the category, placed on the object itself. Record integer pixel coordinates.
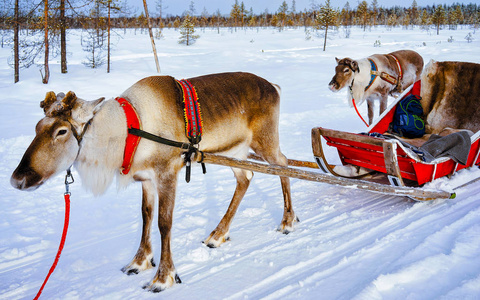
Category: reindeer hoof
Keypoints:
(130, 271)
(214, 242)
(155, 286)
(135, 268)
(287, 227)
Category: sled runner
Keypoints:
(377, 150)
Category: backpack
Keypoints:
(408, 118)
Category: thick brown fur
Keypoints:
(451, 95)
(240, 112)
(355, 74)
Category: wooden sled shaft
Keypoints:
(291, 162)
(416, 193)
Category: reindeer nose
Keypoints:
(17, 183)
(332, 85)
(25, 179)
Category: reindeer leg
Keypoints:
(143, 260)
(221, 234)
(266, 144)
(289, 216)
(370, 106)
(383, 103)
(166, 275)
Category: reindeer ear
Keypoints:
(85, 110)
(97, 104)
(337, 60)
(354, 65)
(50, 98)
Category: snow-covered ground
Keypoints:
(350, 244)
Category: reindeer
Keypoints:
(397, 70)
(240, 112)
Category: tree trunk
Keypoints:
(151, 35)
(46, 76)
(325, 40)
(15, 45)
(108, 37)
(63, 38)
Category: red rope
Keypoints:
(62, 243)
(358, 113)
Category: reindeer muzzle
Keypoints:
(26, 179)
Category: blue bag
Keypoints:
(408, 118)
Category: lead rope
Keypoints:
(358, 113)
(355, 105)
(68, 180)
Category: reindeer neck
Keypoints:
(359, 82)
(101, 151)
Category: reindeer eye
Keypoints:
(61, 132)
(346, 70)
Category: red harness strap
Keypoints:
(193, 115)
(400, 71)
(131, 142)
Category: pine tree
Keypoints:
(414, 13)
(374, 12)
(346, 17)
(362, 12)
(327, 17)
(235, 14)
(438, 17)
(282, 14)
(425, 20)
(187, 32)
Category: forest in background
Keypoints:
(36, 30)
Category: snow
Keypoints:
(350, 244)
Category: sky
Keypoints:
(177, 7)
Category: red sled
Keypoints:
(390, 157)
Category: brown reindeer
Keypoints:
(376, 77)
(450, 94)
(240, 112)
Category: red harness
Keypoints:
(193, 115)
(193, 125)
(131, 142)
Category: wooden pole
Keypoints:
(415, 193)
(151, 35)
(291, 162)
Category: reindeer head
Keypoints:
(343, 73)
(57, 141)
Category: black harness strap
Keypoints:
(190, 149)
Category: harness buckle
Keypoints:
(188, 161)
(68, 180)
